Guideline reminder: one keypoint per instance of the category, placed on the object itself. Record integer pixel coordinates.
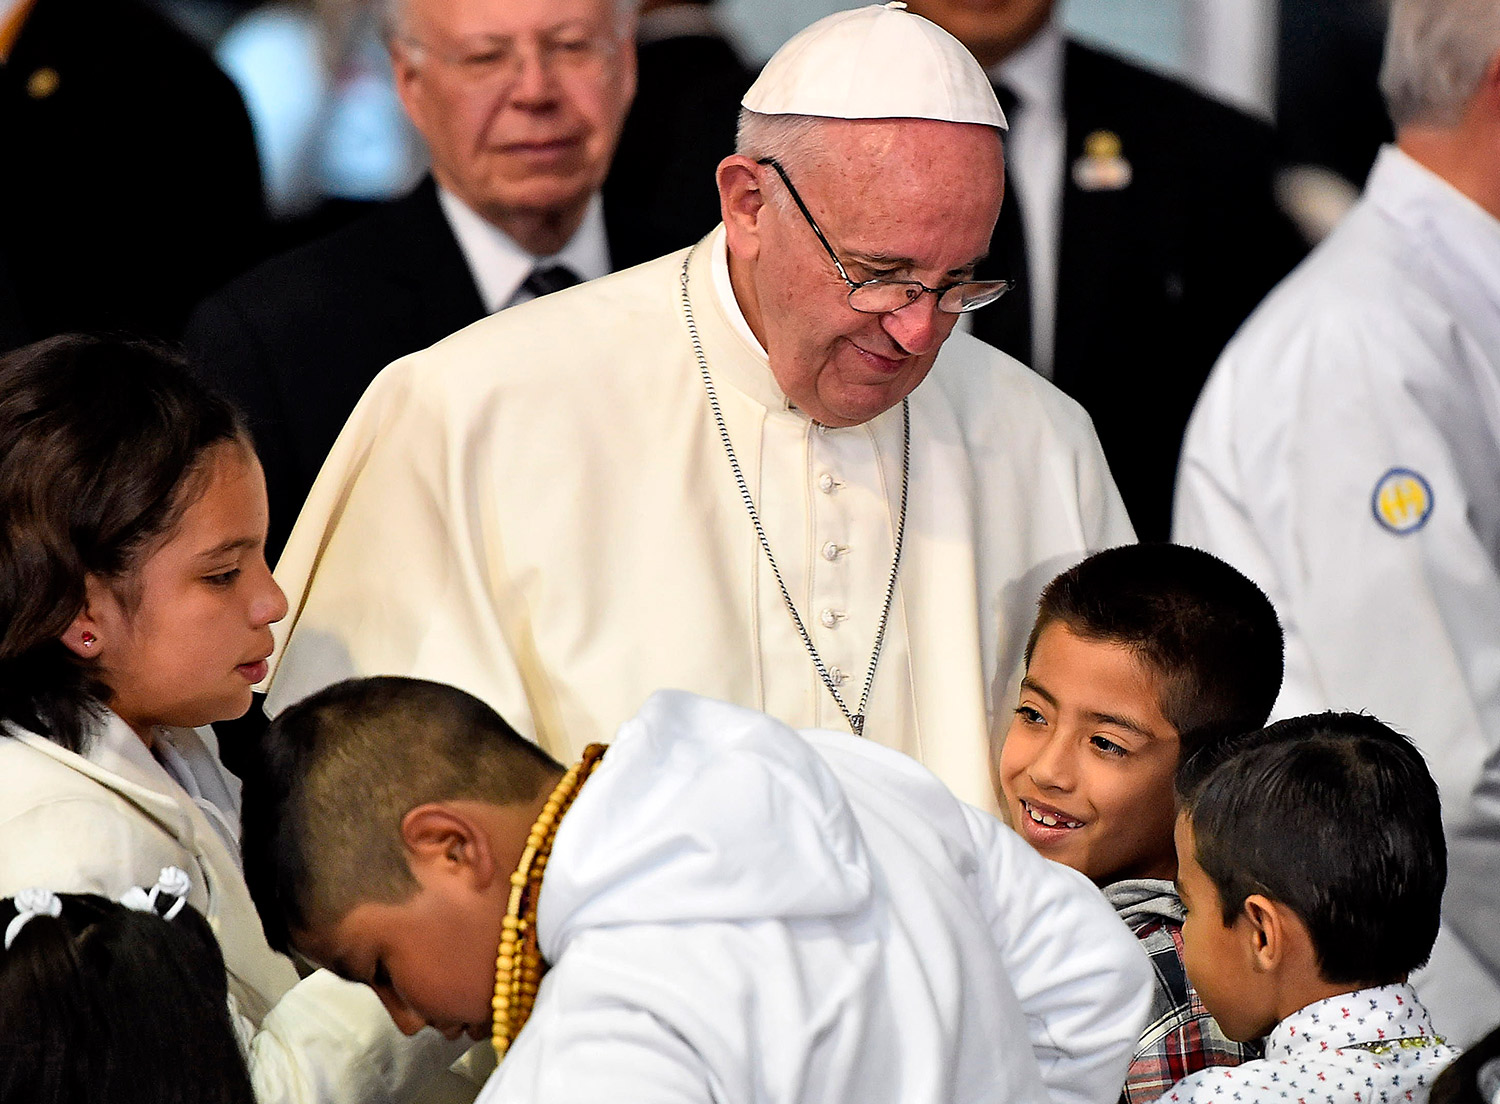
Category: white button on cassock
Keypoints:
(832, 551)
(837, 675)
(830, 618)
(827, 483)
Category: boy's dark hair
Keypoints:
(102, 442)
(1207, 631)
(1335, 816)
(104, 1003)
(336, 774)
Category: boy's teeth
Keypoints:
(1051, 821)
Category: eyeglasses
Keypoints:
(501, 60)
(882, 296)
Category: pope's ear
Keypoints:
(440, 839)
(740, 204)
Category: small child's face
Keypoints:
(1088, 762)
(1218, 958)
(430, 959)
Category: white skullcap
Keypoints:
(876, 62)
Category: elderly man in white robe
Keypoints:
(718, 471)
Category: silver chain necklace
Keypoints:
(856, 719)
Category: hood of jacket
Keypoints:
(703, 811)
(1140, 900)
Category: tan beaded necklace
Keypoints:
(518, 967)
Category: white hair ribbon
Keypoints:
(172, 881)
(31, 902)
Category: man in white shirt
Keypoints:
(1344, 456)
(717, 471)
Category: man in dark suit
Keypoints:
(129, 187)
(1140, 223)
(521, 103)
(687, 100)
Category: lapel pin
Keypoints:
(42, 83)
(1102, 168)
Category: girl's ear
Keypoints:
(86, 635)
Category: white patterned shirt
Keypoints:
(1372, 1046)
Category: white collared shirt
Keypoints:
(1343, 456)
(1035, 156)
(170, 768)
(500, 265)
(724, 290)
(1372, 1046)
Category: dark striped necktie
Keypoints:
(1007, 323)
(545, 279)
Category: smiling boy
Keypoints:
(1139, 655)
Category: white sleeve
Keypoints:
(396, 564)
(1083, 981)
(596, 1038)
(1282, 476)
(329, 1041)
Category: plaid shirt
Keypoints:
(1181, 1037)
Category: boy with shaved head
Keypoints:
(715, 908)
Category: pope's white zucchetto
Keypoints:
(876, 62)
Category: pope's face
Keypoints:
(991, 29)
(905, 199)
(520, 101)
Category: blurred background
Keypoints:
(316, 81)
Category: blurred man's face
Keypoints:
(906, 199)
(991, 29)
(520, 101)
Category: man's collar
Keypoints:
(718, 246)
(1035, 71)
(500, 265)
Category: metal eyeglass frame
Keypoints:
(999, 287)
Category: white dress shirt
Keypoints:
(1035, 155)
(500, 265)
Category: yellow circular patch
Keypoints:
(1402, 501)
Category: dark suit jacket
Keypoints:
(295, 341)
(1155, 277)
(130, 185)
(661, 194)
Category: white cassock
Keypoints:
(1346, 456)
(539, 510)
(738, 913)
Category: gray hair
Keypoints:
(792, 140)
(787, 138)
(388, 17)
(1436, 53)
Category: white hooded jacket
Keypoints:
(738, 912)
